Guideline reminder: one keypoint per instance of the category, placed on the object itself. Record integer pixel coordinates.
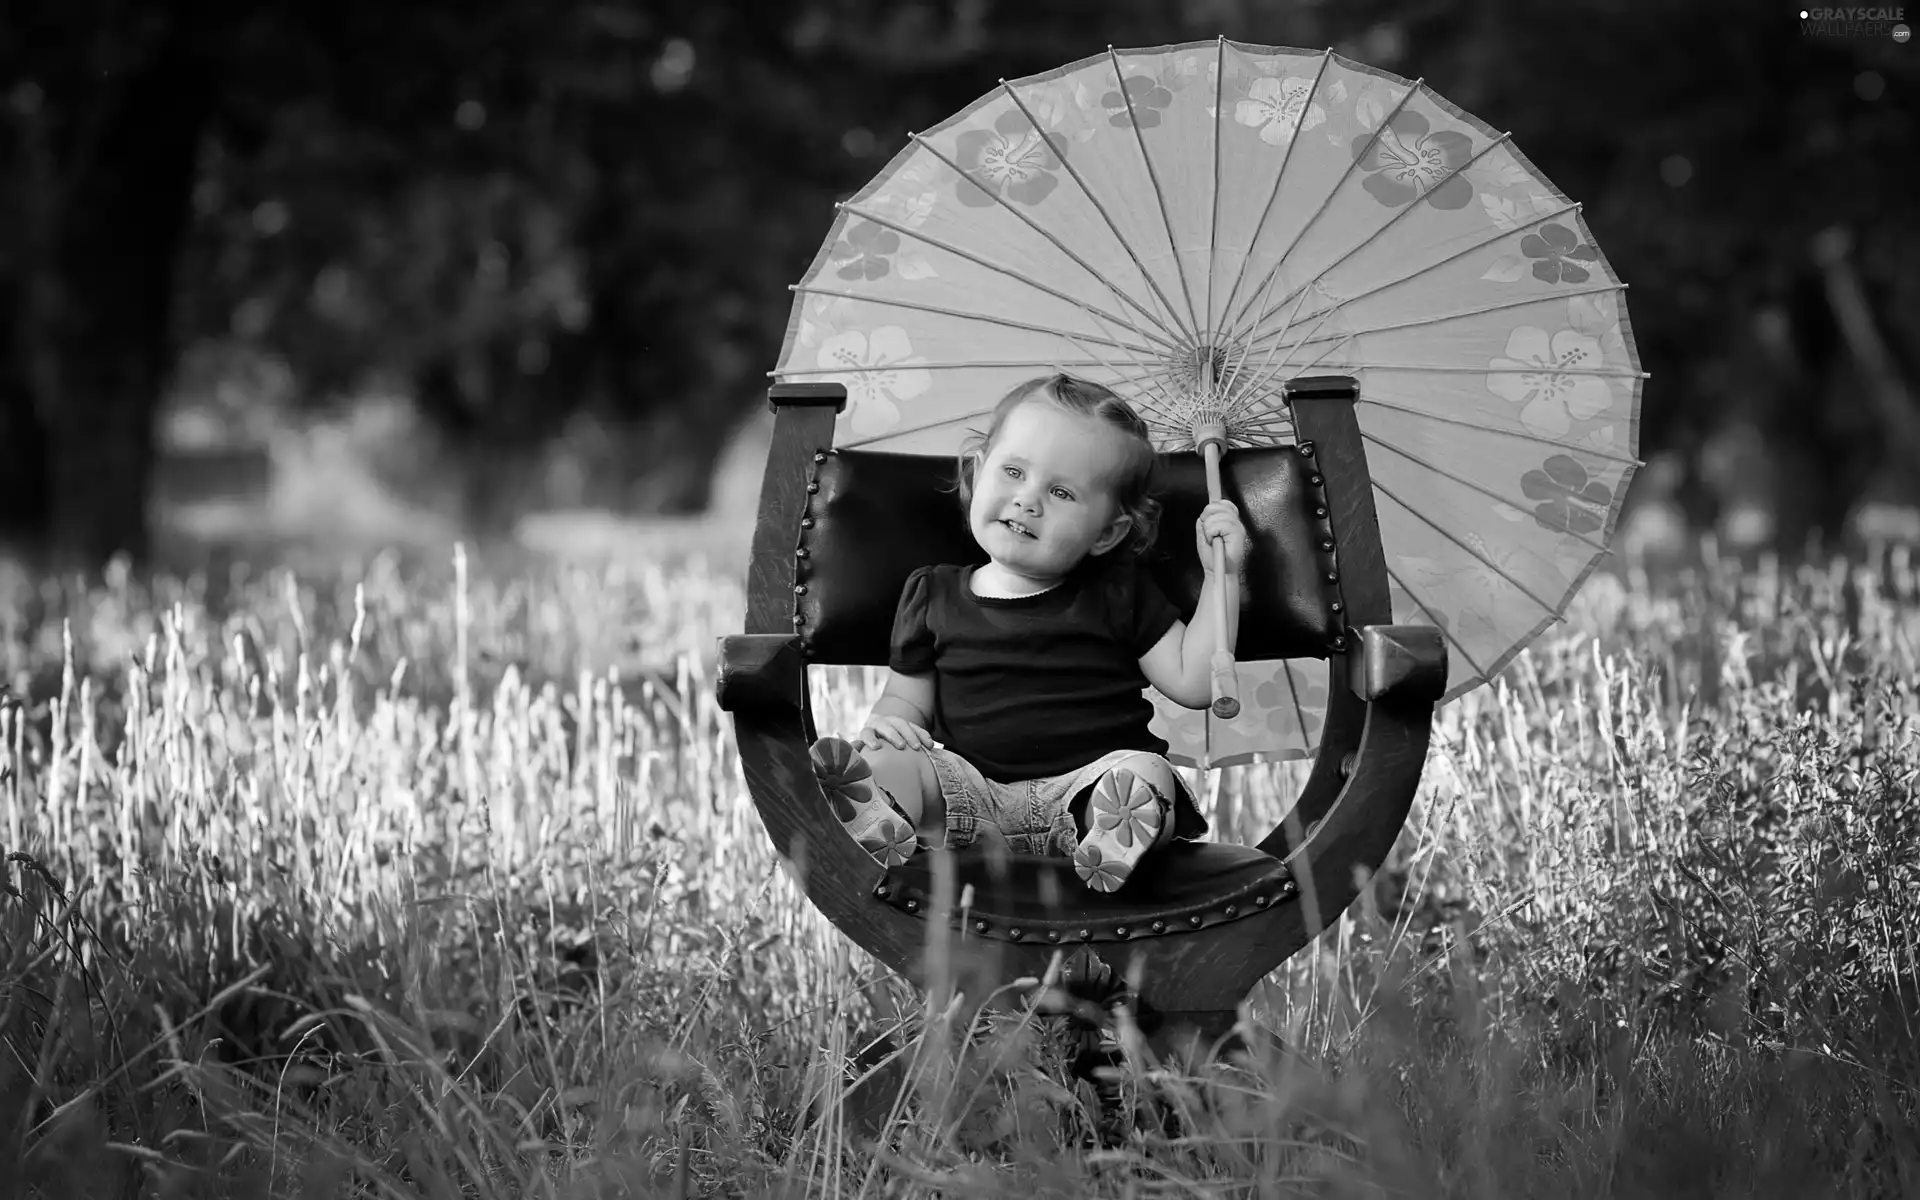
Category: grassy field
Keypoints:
(439, 879)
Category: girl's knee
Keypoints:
(1153, 768)
(912, 764)
(886, 757)
(909, 778)
(1158, 774)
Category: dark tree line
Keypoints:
(528, 211)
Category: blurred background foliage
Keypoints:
(501, 257)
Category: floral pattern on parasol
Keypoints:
(1227, 216)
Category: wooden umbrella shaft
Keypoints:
(1226, 684)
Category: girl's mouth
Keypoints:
(1018, 528)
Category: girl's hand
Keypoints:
(897, 732)
(1221, 520)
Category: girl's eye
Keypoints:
(1063, 493)
(1012, 472)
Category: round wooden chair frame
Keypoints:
(1195, 939)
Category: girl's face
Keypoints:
(1042, 496)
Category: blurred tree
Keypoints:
(526, 212)
(106, 107)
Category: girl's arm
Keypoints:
(908, 697)
(904, 713)
(903, 716)
(1180, 664)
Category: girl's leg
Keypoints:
(881, 796)
(909, 777)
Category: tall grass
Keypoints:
(401, 881)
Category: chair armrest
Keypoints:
(1405, 662)
(759, 672)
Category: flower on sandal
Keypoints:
(1099, 874)
(837, 762)
(889, 841)
(844, 776)
(1126, 814)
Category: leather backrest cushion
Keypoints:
(877, 517)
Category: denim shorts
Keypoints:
(1032, 813)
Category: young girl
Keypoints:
(1013, 713)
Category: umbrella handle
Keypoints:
(1226, 680)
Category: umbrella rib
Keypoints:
(1520, 434)
(796, 372)
(1444, 532)
(1163, 403)
(1263, 407)
(1427, 611)
(1398, 213)
(916, 306)
(1171, 436)
(1236, 361)
(1332, 345)
(1266, 414)
(1141, 368)
(1143, 371)
(1432, 266)
(1293, 693)
(1139, 377)
(1435, 368)
(854, 443)
(1159, 194)
(1009, 272)
(1261, 434)
(1213, 226)
(1286, 156)
(1152, 283)
(1268, 369)
(1230, 389)
(1266, 421)
(1502, 306)
(1029, 222)
(1483, 489)
(1372, 140)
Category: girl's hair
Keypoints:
(1134, 479)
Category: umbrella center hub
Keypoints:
(1201, 370)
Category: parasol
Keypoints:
(1194, 225)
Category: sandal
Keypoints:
(875, 821)
(1125, 815)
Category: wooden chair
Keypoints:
(838, 533)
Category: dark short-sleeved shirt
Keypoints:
(1039, 685)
